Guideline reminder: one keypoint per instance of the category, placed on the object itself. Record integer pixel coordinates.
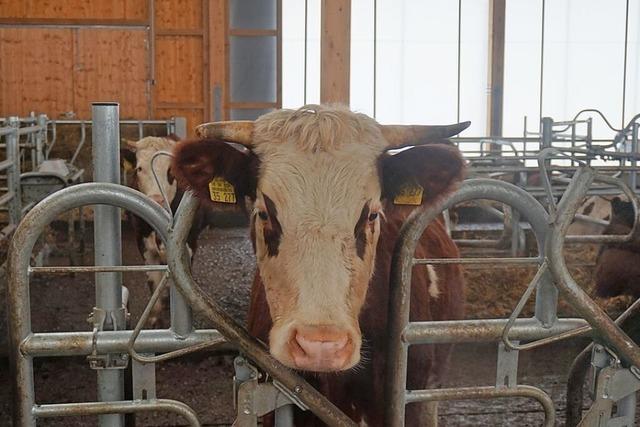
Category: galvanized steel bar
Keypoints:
(472, 393)
(484, 330)
(13, 174)
(41, 137)
(20, 249)
(107, 238)
(127, 407)
(98, 269)
(59, 344)
(230, 329)
(402, 266)
(487, 260)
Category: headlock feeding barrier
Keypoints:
(262, 384)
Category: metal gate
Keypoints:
(110, 346)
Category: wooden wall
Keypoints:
(157, 58)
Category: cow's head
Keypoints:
(137, 156)
(318, 178)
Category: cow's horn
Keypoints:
(402, 135)
(238, 131)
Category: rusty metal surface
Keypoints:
(463, 393)
(122, 407)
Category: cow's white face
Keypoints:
(144, 181)
(316, 179)
(316, 222)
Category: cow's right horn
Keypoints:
(403, 135)
(238, 131)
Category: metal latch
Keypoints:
(98, 319)
(254, 399)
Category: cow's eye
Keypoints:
(139, 169)
(263, 215)
(373, 216)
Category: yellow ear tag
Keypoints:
(220, 190)
(409, 195)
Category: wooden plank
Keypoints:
(178, 14)
(111, 65)
(128, 10)
(180, 33)
(43, 22)
(178, 66)
(37, 76)
(206, 84)
(218, 56)
(496, 66)
(181, 105)
(335, 48)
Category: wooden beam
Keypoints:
(335, 51)
(218, 54)
(496, 66)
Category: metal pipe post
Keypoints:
(13, 173)
(107, 243)
(40, 139)
(633, 181)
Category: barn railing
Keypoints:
(110, 347)
(544, 328)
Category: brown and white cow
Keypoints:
(137, 156)
(324, 223)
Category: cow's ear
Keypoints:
(197, 162)
(127, 159)
(421, 174)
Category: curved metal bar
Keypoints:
(604, 327)
(470, 393)
(167, 205)
(172, 354)
(401, 271)
(122, 407)
(230, 329)
(20, 249)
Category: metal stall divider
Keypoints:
(255, 397)
(544, 328)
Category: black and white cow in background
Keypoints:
(137, 156)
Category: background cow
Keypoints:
(618, 264)
(137, 157)
(328, 202)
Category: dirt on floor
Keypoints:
(224, 266)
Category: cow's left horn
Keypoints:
(238, 131)
(403, 135)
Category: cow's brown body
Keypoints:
(618, 264)
(359, 392)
